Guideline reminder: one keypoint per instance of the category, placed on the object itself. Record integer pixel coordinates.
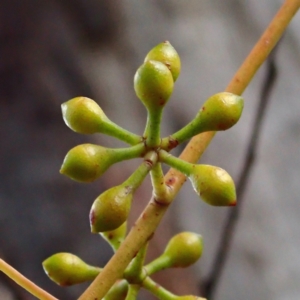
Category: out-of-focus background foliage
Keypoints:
(52, 51)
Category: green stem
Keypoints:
(138, 176)
(127, 153)
(160, 189)
(157, 290)
(120, 133)
(188, 131)
(152, 130)
(133, 292)
(175, 162)
(160, 263)
(115, 237)
(134, 273)
(24, 282)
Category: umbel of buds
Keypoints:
(153, 84)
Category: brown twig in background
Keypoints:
(210, 285)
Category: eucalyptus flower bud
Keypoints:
(111, 209)
(214, 185)
(183, 250)
(68, 269)
(84, 115)
(87, 162)
(220, 112)
(153, 84)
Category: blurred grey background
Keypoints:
(52, 51)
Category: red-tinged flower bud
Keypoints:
(68, 269)
(111, 209)
(220, 112)
(213, 184)
(165, 53)
(153, 84)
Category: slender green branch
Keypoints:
(138, 176)
(24, 282)
(128, 152)
(152, 130)
(158, 290)
(133, 291)
(153, 213)
(158, 264)
(175, 162)
(122, 134)
(134, 273)
(160, 189)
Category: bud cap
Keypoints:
(165, 53)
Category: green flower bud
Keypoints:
(214, 185)
(220, 112)
(87, 162)
(165, 53)
(118, 291)
(153, 84)
(111, 209)
(184, 249)
(115, 237)
(83, 115)
(68, 269)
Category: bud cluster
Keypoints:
(153, 84)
